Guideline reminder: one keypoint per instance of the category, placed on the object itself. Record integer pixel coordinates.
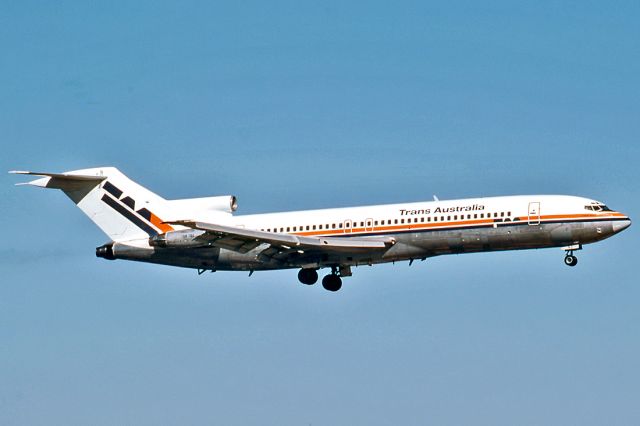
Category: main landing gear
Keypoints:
(308, 276)
(331, 282)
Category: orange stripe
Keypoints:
(158, 223)
(408, 227)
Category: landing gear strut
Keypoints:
(570, 259)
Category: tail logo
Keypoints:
(126, 206)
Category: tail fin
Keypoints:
(119, 206)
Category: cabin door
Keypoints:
(534, 213)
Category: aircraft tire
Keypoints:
(570, 260)
(332, 282)
(308, 276)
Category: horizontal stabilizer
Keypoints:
(65, 181)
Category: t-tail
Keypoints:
(123, 209)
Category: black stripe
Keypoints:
(129, 202)
(129, 215)
(145, 213)
(110, 188)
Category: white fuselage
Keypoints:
(431, 228)
(204, 233)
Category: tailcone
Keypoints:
(105, 252)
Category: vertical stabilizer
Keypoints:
(122, 208)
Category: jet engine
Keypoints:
(187, 207)
(186, 238)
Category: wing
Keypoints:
(284, 247)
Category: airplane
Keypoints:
(205, 234)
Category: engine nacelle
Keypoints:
(187, 207)
(186, 238)
(225, 203)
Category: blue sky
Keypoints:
(301, 105)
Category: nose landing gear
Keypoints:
(570, 259)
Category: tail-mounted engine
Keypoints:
(187, 238)
(187, 207)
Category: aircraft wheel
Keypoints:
(332, 282)
(308, 276)
(570, 260)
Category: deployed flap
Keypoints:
(244, 240)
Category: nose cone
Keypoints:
(621, 225)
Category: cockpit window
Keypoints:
(597, 207)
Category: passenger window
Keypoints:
(501, 214)
(508, 213)
(455, 217)
(448, 218)
(481, 215)
(333, 226)
(375, 223)
(422, 219)
(314, 227)
(288, 229)
(435, 218)
(429, 219)
(475, 215)
(401, 220)
(396, 221)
